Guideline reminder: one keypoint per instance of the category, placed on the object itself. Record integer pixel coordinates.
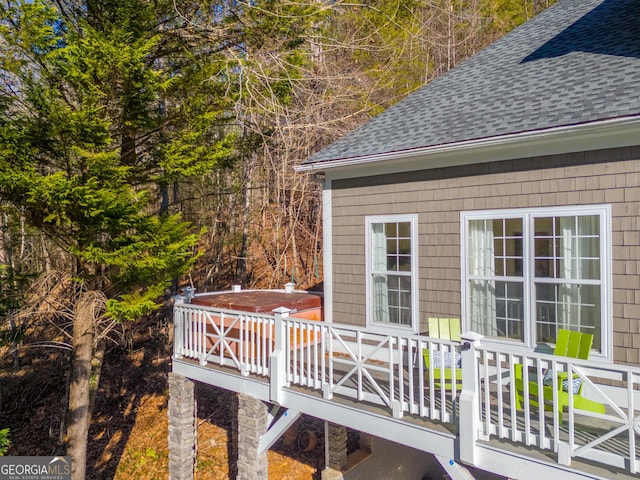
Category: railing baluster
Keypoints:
(421, 373)
(391, 373)
(410, 377)
(633, 462)
(316, 359)
(311, 355)
(485, 386)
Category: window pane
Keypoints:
(404, 230)
(498, 227)
(570, 307)
(378, 247)
(578, 248)
(392, 263)
(499, 268)
(405, 318)
(497, 309)
(544, 268)
(399, 299)
(404, 263)
(390, 229)
(391, 272)
(543, 227)
(513, 227)
(589, 247)
(514, 267)
(380, 292)
(481, 247)
(546, 303)
(544, 255)
(588, 225)
(393, 297)
(391, 246)
(510, 310)
(404, 246)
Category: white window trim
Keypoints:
(606, 312)
(415, 321)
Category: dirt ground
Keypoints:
(128, 435)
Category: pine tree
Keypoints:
(85, 99)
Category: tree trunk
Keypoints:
(97, 361)
(246, 207)
(79, 392)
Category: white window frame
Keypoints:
(384, 326)
(528, 216)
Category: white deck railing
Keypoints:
(224, 337)
(609, 437)
(387, 370)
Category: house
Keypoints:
(505, 193)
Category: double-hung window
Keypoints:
(392, 271)
(529, 273)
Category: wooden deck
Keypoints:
(377, 383)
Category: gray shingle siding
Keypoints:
(577, 62)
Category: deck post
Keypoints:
(335, 451)
(253, 420)
(178, 327)
(278, 359)
(182, 429)
(469, 424)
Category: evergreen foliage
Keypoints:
(81, 95)
(4, 441)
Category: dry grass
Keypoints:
(146, 454)
(129, 432)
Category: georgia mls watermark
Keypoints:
(35, 468)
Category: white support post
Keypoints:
(178, 328)
(469, 398)
(564, 453)
(278, 359)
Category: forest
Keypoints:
(146, 146)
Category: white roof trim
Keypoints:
(617, 132)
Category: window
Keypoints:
(392, 271)
(527, 274)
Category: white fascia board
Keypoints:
(219, 378)
(618, 132)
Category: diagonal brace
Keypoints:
(277, 429)
(455, 470)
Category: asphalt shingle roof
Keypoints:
(576, 62)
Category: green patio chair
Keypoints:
(568, 344)
(446, 329)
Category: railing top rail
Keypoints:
(304, 321)
(549, 357)
(249, 290)
(386, 333)
(440, 341)
(227, 311)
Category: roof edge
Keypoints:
(620, 132)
